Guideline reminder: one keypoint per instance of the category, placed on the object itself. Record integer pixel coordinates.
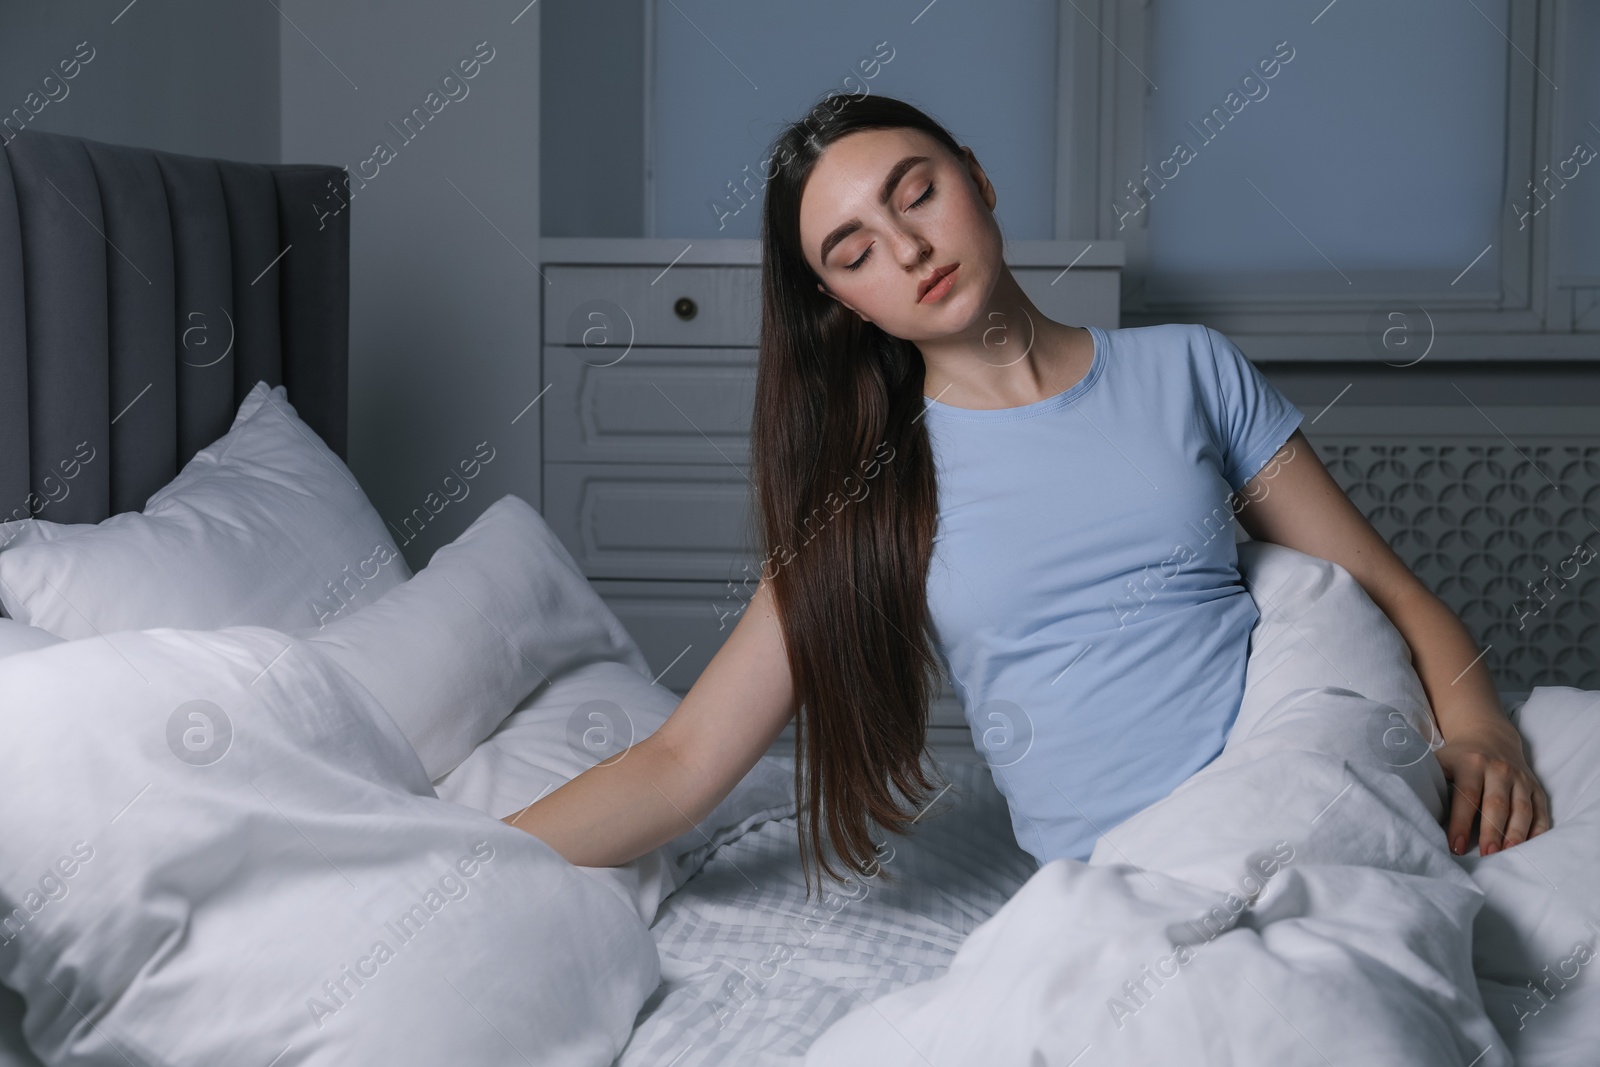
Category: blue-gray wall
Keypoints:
(444, 296)
(592, 130)
(187, 76)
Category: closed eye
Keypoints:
(919, 200)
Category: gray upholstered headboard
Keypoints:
(142, 294)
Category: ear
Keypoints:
(979, 178)
(824, 290)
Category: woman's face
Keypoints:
(885, 210)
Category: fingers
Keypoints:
(1503, 792)
(1528, 798)
(1466, 788)
(1494, 811)
(1521, 819)
(1541, 812)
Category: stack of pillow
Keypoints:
(483, 660)
(499, 638)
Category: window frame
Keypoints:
(1104, 44)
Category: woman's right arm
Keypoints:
(665, 784)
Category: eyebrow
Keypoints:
(891, 180)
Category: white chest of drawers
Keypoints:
(649, 360)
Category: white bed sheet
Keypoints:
(752, 971)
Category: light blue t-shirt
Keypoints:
(1084, 586)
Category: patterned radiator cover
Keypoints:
(1507, 534)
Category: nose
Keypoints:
(910, 248)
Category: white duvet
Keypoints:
(1294, 901)
(216, 848)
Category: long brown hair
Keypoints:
(847, 504)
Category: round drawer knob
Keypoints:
(684, 308)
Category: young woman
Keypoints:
(947, 478)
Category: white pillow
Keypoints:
(209, 834)
(494, 614)
(16, 638)
(265, 526)
(1319, 627)
(501, 634)
(582, 718)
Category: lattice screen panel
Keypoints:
(1507, 535)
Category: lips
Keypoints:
(927, 284)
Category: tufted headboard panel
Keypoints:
(142, 295)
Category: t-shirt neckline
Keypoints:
(1038, 407)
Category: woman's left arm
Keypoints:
(1294, 501)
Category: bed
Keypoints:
(247, 747)
(977, 956)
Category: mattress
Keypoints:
(752, 971)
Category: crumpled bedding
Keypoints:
(1294, 901)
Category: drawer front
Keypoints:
(624, 520)
(653, 404)
(614, 308)
(681, 625)
(609, 310)
(657, 405)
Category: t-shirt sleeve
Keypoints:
(1250, 417)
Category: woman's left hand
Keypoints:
(1490, 777)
